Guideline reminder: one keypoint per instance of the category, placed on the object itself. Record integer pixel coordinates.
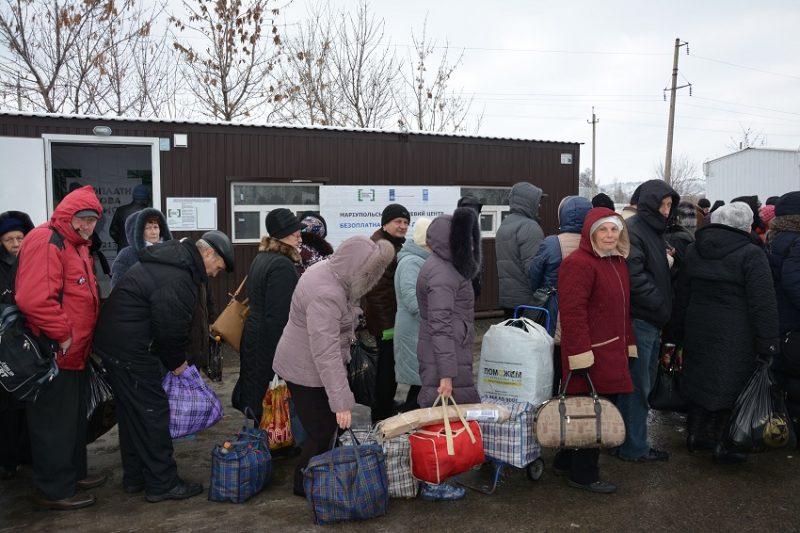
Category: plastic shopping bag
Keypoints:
(276, 415)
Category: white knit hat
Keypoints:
(420, 230)
(735, 214)
(600, 221)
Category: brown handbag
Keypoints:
(579, 421)
(230, 322)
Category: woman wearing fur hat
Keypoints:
(726, 275)
(14, 446)
(314, 247)
(142, 229)
(447, 313)
(597, 336)
(314, 350)
(406, 322)
(270, 284)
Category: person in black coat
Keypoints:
(651, 306)
(783, 248)
(14, 442)
(140, 198)
(149, 321)
(270, 284)
(725, 275)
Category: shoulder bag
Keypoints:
(579, 421)
(27, 362)
(230, 322)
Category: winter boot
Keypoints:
(698, 428)
(723, 455)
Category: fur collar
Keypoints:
(270, 244)
(368, 275)
(785, 223)
(465, 242)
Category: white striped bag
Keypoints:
(512, 442)
(398, 461)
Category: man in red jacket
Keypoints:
(57, 293)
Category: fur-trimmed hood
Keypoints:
(358, 263)
(456, 238)
(134, 227)
(271, 244)
(790, 223)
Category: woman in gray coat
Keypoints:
(314, 349)
(406, 322)
(447, 310)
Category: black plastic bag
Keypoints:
(666, 392)
(100, 408)
(759, 420)
(362, 372)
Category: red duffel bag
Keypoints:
(440, 451)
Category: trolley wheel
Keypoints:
(535, 470)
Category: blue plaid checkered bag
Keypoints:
(193, 405)
(240, 468)
(513, 441)
(347, 483)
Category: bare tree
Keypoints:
(366, 69)
(427, 103)
(586, 184)
(685, 179)
(228, 73)
(748, 139)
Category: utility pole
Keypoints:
(671, 125)
(593, 122)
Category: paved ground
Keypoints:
(689, 493)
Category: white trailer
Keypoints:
(762, 171)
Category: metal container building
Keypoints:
(225, 162)
(762, 171)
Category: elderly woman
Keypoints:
(143, 228)
(447, 313)
(731, 319)
(597, 336)
(314, 350)
(270, 284)
(406, 322)
(13, 433)
(313, 248)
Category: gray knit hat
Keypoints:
(735, 214)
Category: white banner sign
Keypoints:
(191, 214)
(350, 210)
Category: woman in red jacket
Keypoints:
(596, 333)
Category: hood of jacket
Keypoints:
(410, 248)
(77, 200)
(134, 227)
(456, 239)
(358, 263)
(571, 213)
(271, 244)
(595, 214)
(715, 241)
(524, 199)
(182, 254)
(651, 194)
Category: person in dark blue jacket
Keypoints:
(544, 268)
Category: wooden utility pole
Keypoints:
(671, 125)
(593, 122)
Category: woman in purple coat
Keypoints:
(447, 315)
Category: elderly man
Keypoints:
(57, 293)
(153, 316)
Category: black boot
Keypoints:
(698, 429)
(723, 455)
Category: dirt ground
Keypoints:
(688, 493)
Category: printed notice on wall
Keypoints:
(356, 210)
(191, 214)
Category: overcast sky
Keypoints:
(536, 69)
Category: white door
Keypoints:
(23, 185)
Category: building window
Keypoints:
(495, 206)
(252, 201)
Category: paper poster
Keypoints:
(191, 214)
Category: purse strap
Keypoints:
(562, 409)
(241, 286)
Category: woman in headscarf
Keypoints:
(14, 445)
(314, 247)
(726, 274)
(597, 337)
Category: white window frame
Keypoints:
(491, 209)
(264, 209)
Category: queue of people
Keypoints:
(623, 284)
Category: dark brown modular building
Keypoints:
(230, 175)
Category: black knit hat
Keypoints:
(788, 204)
(704, 203)
(603, 200)
(282, 222)
(772, 200)
(393, 211)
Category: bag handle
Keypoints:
(562, 409)
(241, 286)
(448, 431)
(250, 415)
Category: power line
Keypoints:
(745, 67)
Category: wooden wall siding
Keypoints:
(218, 154)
